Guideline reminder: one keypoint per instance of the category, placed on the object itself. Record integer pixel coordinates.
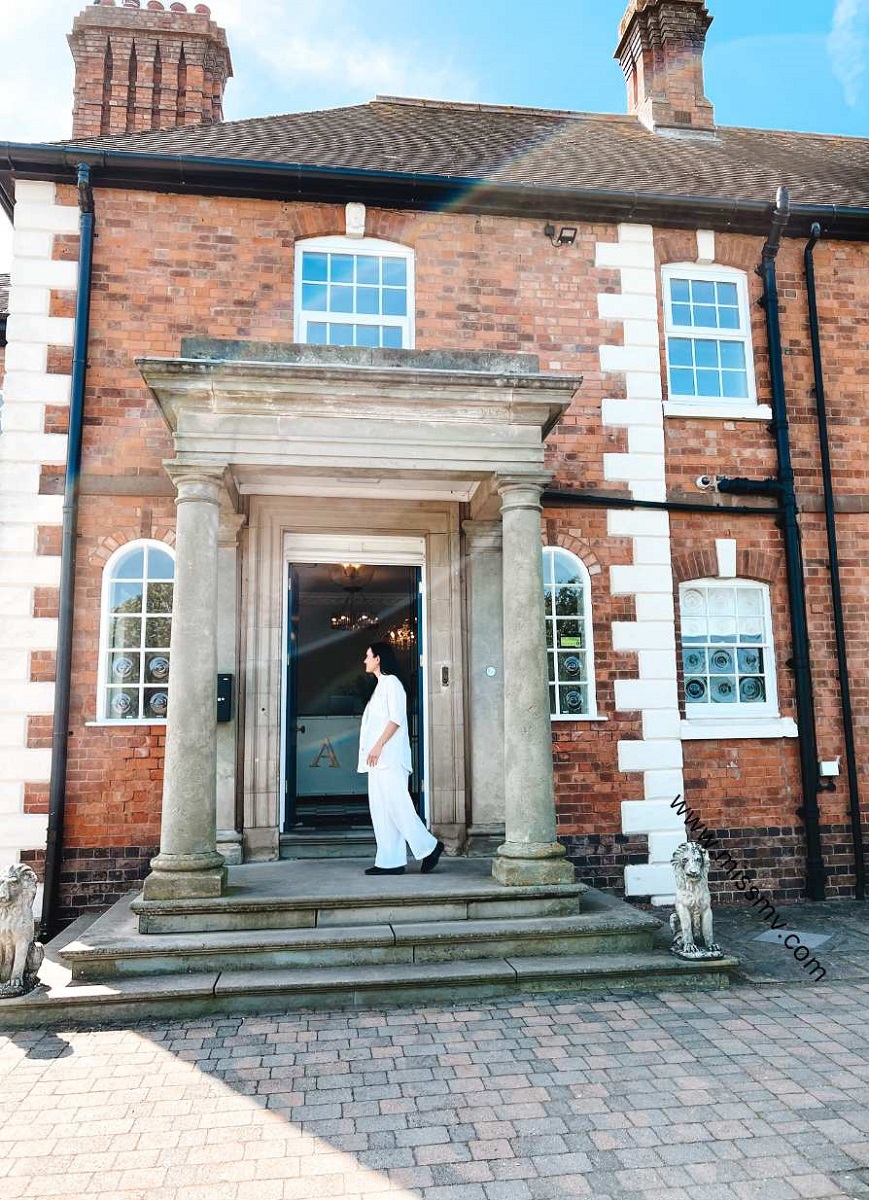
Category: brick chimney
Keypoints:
(661, 53)
(142, 66)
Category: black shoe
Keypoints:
(431, 860)
(384, 870)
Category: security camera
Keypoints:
(706, 483)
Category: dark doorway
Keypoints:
(336, 610)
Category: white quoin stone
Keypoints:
(706, 246)
(659, 785)
(635, 695)
(662, 846)
(650, 816)
(626, 522)
(628, 580)
(625, 254)
(649, 879)
(628, 413)
(631, 636)
(615, 306)
(649, 756)
(630, 358)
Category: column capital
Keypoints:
(194, 482)
(521, 491)
(231, 525)
(483, 535)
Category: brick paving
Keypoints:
(726, 1096)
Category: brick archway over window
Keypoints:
(703, 564)
(575, 543)
(110, 542)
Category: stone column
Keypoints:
(188, 865)
(485, 625)
(531, 853)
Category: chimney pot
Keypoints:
(203, 9)
(155, 5)
(660, 49)
(177, 7)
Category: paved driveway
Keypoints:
(759, 1092)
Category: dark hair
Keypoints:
(388, 662)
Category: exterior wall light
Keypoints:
(566, 235)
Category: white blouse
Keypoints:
(388, 703)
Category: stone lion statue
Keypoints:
(692, 921)
(20, 954)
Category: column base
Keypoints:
(519, 865)
(181, 880)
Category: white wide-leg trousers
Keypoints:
(395, 819)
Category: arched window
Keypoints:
(569, 641)
(134, 642)
(354, 292)
(728, 662)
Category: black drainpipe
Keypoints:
(60, 734)
(835, 582)
(810, 812)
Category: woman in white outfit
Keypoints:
(384, 753)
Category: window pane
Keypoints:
(368, 300)
(571, 667)
(705, 317)
(734, 385)
(125, 632)
(395, 272)
(315, 267)
(123, 704)
(722, 629)
(156, 702)
(340, 335)
(732, 355)
(679, 290)
(549, 634)
(156, 668)
(314, 297)
(392, 337)
(367, 269)
(749, 601)
(368, 335)
(680, 352)
(569, 635)
(750, 662)
(728, 318)
(572, 700)
(131, 566)
(706, 353)
(341, 268)
(551, 660)
(160, 564)
(697, 691)
(394, 302)
(723, 689)
(160, 597)
(727, 294)
(318, 333)
(341, 299)
(124, 668)
(694, 661)
(566, 570)
(682, 314)
(553, 711)
(157, 632)
(722, 601)
(682, 383)
(702, 292)
(567, 602)
(752, 691)
(721, 662)
(126, 598)
(708, 383)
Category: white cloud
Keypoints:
(848, 47)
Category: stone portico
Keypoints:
(274, 440)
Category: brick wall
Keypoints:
(223, 267)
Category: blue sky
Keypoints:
(779, 64)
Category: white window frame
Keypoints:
(588, 631)
(710, 721)
(742, 408)
(105, 619)
(348, 245)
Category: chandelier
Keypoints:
(402, 635)
(352, 577)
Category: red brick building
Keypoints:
(343, 359)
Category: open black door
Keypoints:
(292, 728)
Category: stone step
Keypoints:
(112, 948)
(332, 844)
(309, 894)
(324, 988)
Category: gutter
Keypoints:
(212, 175)
(60, 733)
(801, 662)
(835, 581)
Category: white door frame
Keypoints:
(373, 549)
